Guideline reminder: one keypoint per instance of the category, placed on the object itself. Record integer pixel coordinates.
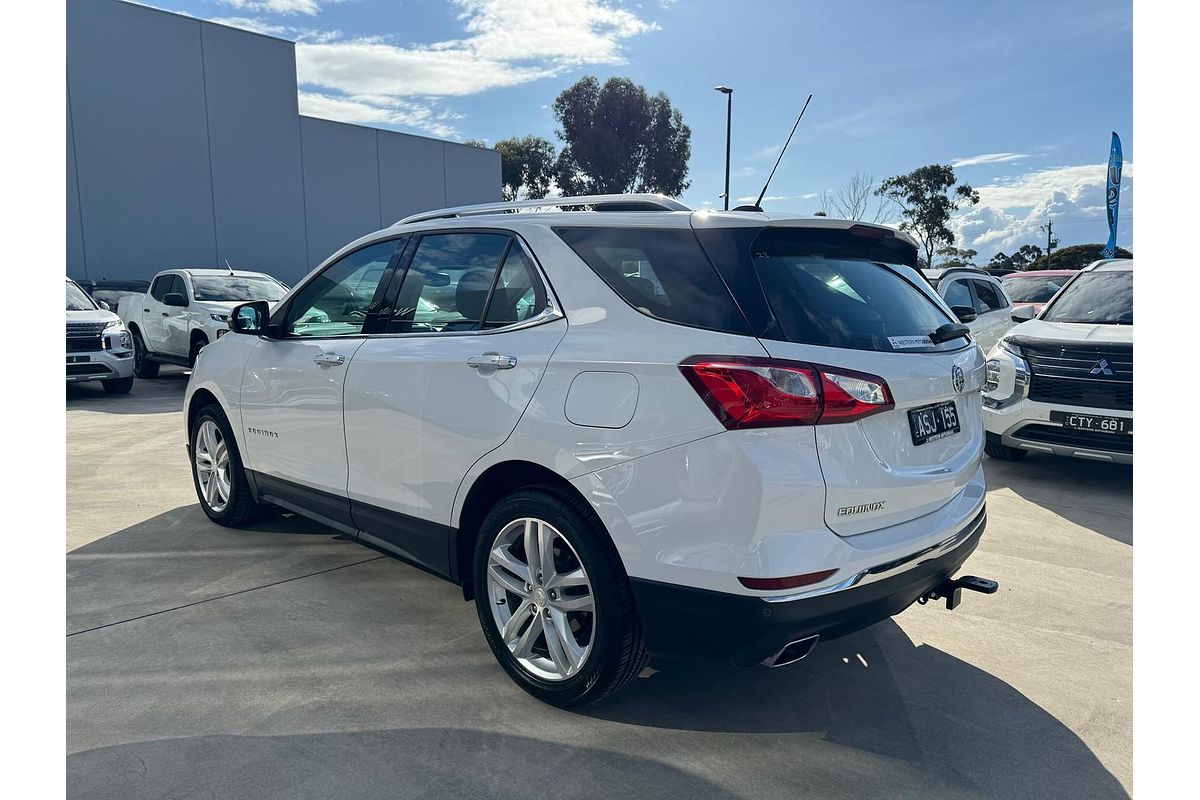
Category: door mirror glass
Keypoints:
(249, 317)
(965, 313)
(175, 299)
(1023, 314)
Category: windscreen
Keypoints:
(77, 299)
(842, 302)
(1034, 290)
(230, 288)
(1101, 298)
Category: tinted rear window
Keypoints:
(821, 297)
(661, 272)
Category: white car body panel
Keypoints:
(404, 425)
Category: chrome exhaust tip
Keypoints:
(792, 652)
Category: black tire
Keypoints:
(1003, 452)
(198, 344)
(618, 649)
(118, 385)
(242, 506)
(143, 367)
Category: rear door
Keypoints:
(831, 304)
(470, 328)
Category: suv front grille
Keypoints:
(85, 337)
(1090, 440)
(1081, 375)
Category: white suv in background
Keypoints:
(1063, 383)
(627, 430)
(98, 346)
(980, 293)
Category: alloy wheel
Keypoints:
(212, 466)
(541, 599)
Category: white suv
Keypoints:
(627, 430)
(1063, 383)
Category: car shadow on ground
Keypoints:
(417, 762)
(1060, 485)
(867, 705)
(159, 395)
(876, 691)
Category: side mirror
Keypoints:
(965, 313)
(1023, 314)
(175, 299)
(250, 317)
(104, 304)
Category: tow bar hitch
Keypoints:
(951, 590)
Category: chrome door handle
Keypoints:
(493, 360)
(329, 360)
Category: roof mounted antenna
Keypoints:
(228, 267)
(758, 203)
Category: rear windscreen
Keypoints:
(824, 296)
(661, 272)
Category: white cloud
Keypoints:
(987, 158)
(508, 43)
(1011, 211)
(252, 24)
(285, 7)
(374, 110)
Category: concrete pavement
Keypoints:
(288, 661)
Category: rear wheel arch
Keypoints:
(495, 483)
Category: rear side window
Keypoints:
(663, 273)
(836, 302)
(448, 282)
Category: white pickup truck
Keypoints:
(186, 309)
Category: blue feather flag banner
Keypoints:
(1112, 195)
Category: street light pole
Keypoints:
(725, 90)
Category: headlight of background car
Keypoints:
(116, 337)
(1007, 378)
(221, 318)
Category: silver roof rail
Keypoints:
(597, 202)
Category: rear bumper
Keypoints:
(683, 622)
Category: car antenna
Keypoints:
(229, 267)
(758, 203)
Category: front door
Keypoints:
(292, 386)
(465, 348)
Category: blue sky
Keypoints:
(1020, 95)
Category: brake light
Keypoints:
(745, 392)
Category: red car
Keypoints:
(1035, 288)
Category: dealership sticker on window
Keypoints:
(905, 342)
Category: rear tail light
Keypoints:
(746, 392)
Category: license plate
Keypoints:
(930, 423)
(1091, 422)
(78, 359)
